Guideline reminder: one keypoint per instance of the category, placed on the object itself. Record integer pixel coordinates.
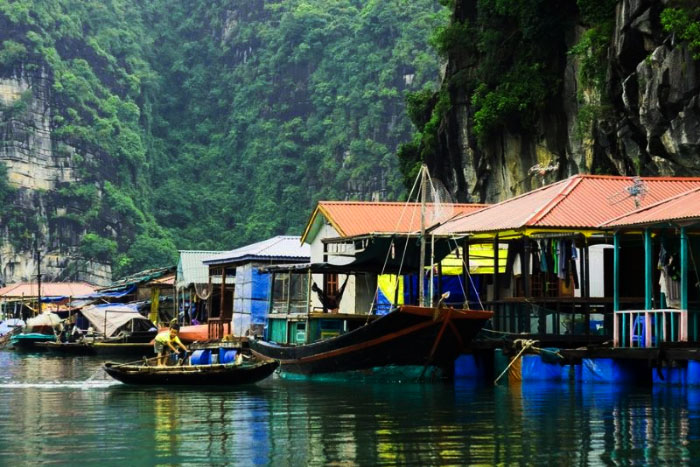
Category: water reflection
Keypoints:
(65, 411)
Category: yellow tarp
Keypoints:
(480, 260)
(387, 284)
(155, 298)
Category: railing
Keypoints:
(649, 328)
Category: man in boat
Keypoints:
(166, 341)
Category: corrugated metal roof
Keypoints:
(48, 289)
(682, 207)
(581, 201)
(138, 278)
(191, 270)
(351, 218)
(280, 248)
(168, 280)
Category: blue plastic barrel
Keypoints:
(201, 357)
(227, 355)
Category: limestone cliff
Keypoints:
(642, 119)
(38, 164)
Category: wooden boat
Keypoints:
(409, 335)
(29, 340)
(228, 374)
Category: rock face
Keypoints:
(650, 124)
(37, 163)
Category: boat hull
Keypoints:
(408, 336)
(28, 341)
(198, 375)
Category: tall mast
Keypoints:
(38, 271)
(423, 192)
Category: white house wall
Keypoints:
(357, 298)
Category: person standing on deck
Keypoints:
(166, 340)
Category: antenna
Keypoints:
(638, 191)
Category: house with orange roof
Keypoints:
(564, 223)
(670, 231)
(349, 220)
(20, 299)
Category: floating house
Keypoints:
(240, 291)
(192, 285)
(668, 231)
(336, 231)
(557, 284)
(20, 299)
(360, 252)
(156, 286)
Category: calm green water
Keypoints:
(65, 411)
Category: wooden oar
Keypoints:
(143, 360)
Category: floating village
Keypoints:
(589, 279)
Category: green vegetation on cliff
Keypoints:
(683, 18)
(211, 124)
(507, 64)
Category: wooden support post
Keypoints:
(496, 281)
(647, 329)
(524, 313)
(648, 272)
(465, 271)
(587, 289)
(684, 274)
(526, 266)
(308, 305)
(396, 290)
(616, 292)
(289, 293)
(222, 301)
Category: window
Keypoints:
(330, 284)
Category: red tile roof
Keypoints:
(682, 207)
(581, 201)
(48, 289)
(351, 218)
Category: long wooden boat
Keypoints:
(201, 375)
(409, 335)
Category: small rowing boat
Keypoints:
(227, 374)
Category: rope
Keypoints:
(403, 256)
(526, 343)
(471, 281)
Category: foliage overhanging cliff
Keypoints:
(536, 90)
(130, 128)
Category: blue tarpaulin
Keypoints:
(452, 284)
(251, 298)
(608, 370)
(115, 294)
(535, 369)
